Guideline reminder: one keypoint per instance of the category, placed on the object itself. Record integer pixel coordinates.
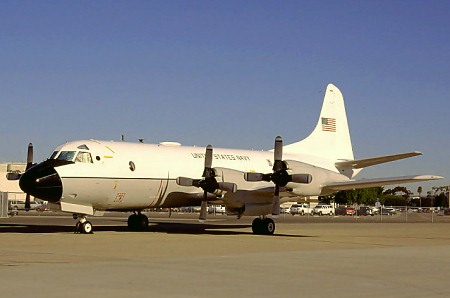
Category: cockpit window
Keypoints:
(84, 147)
(53, 156)
(83, 157)
(67, 155)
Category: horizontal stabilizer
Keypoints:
(367, 162)
(364, 183)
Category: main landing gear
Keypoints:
(137, 221)
(83, 226)
(263, 226)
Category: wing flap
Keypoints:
(367, 162)
(364, 183)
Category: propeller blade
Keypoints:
(228, 187)
(29, 156)
(278, 150)
(250, 176)
(29, 165)
(208, 172)
(203, 209)
(208, 156)
(27, 203)
(185, 181)
(276, 201)
(301, 178)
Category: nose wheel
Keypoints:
(83, 226)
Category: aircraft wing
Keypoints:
(363, 183)
(367, 162)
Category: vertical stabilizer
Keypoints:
(331, 137)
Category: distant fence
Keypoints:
(416, 214)
(392, 214)
(388, 214)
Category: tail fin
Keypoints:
(331, 137)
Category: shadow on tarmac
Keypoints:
(154, 227)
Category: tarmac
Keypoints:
(40, 256)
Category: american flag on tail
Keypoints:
(329, 124)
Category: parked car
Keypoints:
(284, 210)
(387, 211)
(365, 210)
(345, 211)
(217, 209)
(301, 209)
(20, 205)
(41, 208)
(323, 210)
(340, 211)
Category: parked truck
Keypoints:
(301, 209)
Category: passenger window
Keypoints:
(84, 157)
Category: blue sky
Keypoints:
(234, 74)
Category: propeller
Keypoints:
(16, 176)
(29, 165)
(280, 177)
(209, 183)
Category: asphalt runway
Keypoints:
(40, 256)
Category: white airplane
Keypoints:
(89, 177)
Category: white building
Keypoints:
(10, 190)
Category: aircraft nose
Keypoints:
(42, 181)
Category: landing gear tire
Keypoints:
(265, 226)
(83, 226)
(137, 222)
(256, 226)
(86, 227)
(269, 226)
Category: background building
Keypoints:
(10, 190)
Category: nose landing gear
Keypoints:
(83, 226)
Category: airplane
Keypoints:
(90, 177)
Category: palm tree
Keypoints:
(419, 190)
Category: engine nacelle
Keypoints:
(251, 209)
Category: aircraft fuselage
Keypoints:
(134, 176)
